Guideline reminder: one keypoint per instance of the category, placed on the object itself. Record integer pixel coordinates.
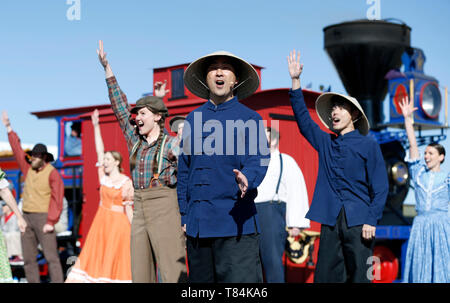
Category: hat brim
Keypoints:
(135, 109)
(324, 106)
(196, 72)
(50, 157)
(174, 123)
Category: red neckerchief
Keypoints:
(9, 216)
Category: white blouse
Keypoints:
(292, 189)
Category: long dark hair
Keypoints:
(439, 148)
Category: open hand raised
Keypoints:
(94, 117)
(101, 54)
(5, 119)
(295, 68)
(160, 89)
(407, 108)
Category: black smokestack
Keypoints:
(363, 52)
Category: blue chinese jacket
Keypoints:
(352, 173)
(216, 140)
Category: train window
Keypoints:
(72, 141)
(177, 84)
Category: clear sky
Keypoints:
(49, 62)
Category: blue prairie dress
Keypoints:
(428, 253)
(5, 268)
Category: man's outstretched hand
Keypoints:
(242, 181)
(295, 68)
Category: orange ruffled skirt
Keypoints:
(105, 257)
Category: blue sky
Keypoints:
(48, 62)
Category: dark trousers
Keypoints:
(343, 254)
(224, 260)
(33, 236)
(272, 218)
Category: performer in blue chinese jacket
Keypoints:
(220, 167)
(351, 187)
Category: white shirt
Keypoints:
(4, 183)
(292, 189)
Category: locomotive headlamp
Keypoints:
(422, 89)
(399, 173)
(430, 100)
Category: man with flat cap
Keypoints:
(156, 233)
(43, 195)
(351, 187)
(219, 169)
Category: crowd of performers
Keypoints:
(230, 214)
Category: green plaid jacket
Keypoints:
(142, 171)
(2, 174)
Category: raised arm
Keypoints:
(102, 57)
(14, 141)
(99, 147)
(308, 128)
(295, 69)
(408, 110)
(118, 100)
(6, 122)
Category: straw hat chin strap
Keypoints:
(205, 86)
(201, 82)
(236, 87)
(354, 121)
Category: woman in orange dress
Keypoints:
(105, 256)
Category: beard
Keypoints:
(37, 164)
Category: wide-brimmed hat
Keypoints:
(152, 103)
(324, 105)
(195, 75)
(39, 149)
(175, 121)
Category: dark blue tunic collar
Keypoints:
(223, 106)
